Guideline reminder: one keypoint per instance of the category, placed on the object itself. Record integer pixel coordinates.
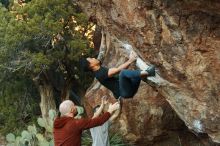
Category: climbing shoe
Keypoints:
(151, 70)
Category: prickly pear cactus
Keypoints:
(32, 137)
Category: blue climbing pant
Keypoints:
(129, 81)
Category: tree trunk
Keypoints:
(65, 92)
(47, 100)
(46, 91)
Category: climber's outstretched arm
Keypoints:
(113, 71)
(101, 108)
(115, 115)
(102, 47)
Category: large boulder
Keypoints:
(182, 38)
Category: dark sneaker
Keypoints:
(151, 70)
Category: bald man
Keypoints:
(67, 130)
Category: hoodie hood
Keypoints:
(61, 122)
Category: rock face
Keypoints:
(182, 38)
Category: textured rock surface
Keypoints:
(183, 39)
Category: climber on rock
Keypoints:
(126, 84)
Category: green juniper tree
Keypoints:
(5, 3)
(42, 40)
(19, 103)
